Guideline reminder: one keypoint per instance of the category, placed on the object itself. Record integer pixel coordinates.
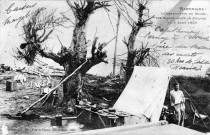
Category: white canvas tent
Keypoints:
(145, 93)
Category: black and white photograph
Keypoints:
(96, 67)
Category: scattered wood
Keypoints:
(45, 117)
(26, 97)
(68, 118)
(55, 88)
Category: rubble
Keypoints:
(26, 97)
(20, 78)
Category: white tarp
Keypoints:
(145, 92)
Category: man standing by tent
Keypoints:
(178, 103)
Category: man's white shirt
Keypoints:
(177, 96)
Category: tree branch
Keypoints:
(97, 56)
(50, 55)
(72, 7)
(94, 45)
(44, 31)
(46, 37)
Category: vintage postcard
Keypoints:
(77, 66)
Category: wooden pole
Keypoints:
(115, 49)
(169, 97)
(24, 111)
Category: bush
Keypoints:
(194, 84)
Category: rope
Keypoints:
(196, 112)
(192, 99)
(80, 114)
(54, 88)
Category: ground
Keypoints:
(96, 89)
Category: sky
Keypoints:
(103, 25)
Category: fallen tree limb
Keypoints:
(24, 111)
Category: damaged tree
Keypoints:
(135, 57)
(73, 56)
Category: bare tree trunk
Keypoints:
(131, 53)
(136, 26)
(70, 92)
(78, 51)
(129, 65)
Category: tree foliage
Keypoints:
(39, 26)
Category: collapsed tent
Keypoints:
(145, 93)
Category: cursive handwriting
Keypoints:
(17, 20)
(162, 30)
(186, 67)
(198, 47)
(161, 46)
(10, 20)
(197, 36)
(181, 46)
(195, 46)
(151, 36)
(168, 54)
(201, 61)
(186, 64)
(188, 54)
(13, 8)
(181, 60)
(174, 30)
(171, 60)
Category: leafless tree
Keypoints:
(39, 27)
(140, 55)
(73, 56)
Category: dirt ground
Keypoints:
(13, 102)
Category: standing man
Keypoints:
(178, 103)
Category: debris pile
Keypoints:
(105, 89)
(4, 68)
